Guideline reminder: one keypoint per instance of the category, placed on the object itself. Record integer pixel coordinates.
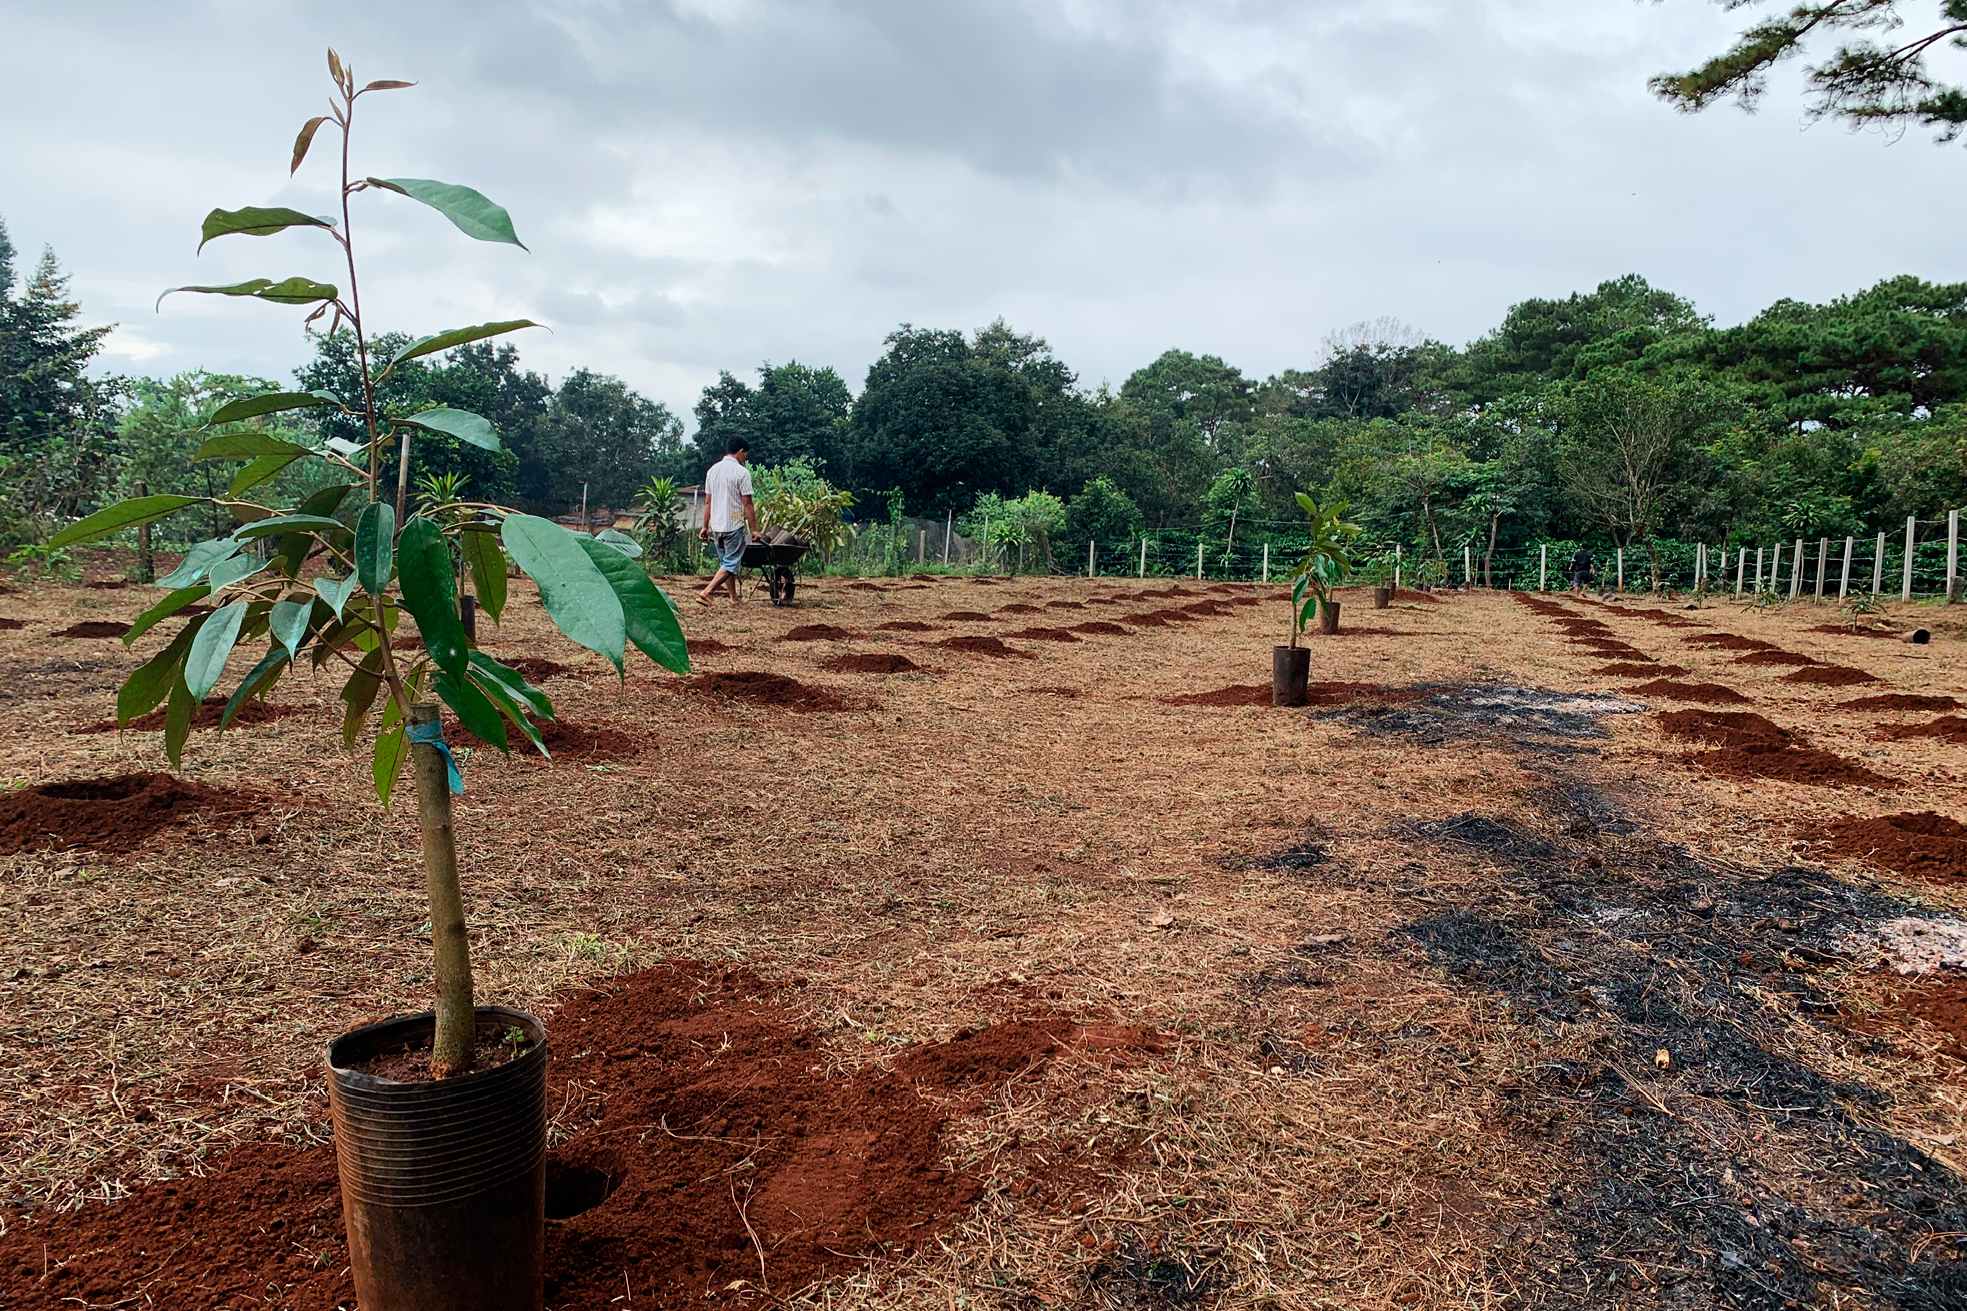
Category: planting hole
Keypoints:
(573, 1190)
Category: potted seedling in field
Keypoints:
(440, 1118)
(1325, 566)
(1381, 569)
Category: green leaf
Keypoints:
(336, 591)
(198, 562)
(479, 716)
(487, 670)
(264, 469)
(474, 215)
(163, 610)
(152, 680)
(392, 749)
(244, 446)
(423, 567)
(205, 662)
(287, 523)
(273, 402)
(444, 341)
(296, 547)
(236, 569)
(461, 424)
(123, 514)
(359, 694)
(304, 140)
(255, 221)
(375, 546)
(501, 696)
(327, 500)
(288, 291)
(648, 617)
(486, 558)
(622, 542)
(177, 721)
(259, 680)
(578, 597)
(288, 624)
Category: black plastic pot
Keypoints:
(443, 1183)
(1328, 617)
(1382, 597)
(1290, 667)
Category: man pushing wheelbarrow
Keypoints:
(728, 513)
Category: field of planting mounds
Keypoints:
(997, 944)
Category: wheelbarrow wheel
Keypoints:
(783, 585)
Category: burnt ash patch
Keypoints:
(1531, 717)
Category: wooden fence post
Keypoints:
(1468, 570)
(1143, 573)
(1823, 558)
(1953, 557)
(1796, 571)
(1543, 567)
(1878, 566)
(1622, 570)
(1758, 571)
(1266, 562)
(949, 532)
(1092, 561)
(1912, 544)
(1397, 548)
(1741, 563)
(1198, 562)
(1844, 579)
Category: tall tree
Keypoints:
(1625, 448)
(796, 412)
(601, 433)
(1542, 341)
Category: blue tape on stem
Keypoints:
(433, 734)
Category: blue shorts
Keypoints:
(730, 549)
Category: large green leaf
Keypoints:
(264, 469)
(257, 221)
(375, 546)
(287, 523)
(288, 624)
(578, 597)
(123, 514)
(296, 547)
(359, 694)
(198, 562)
(288, 291)
(336, 591)
(273, 402)
(236, 569)
(486, 559)
(444, 341)
(487, 670)
(423, 567)
(244, 446)
(151, 681)
(501, 696)
(258, 682)
(205, 662)
(474, 215)
(479, 716)
(461, 424)
(386, 763)
(177, 721)
(647, 614)
(622, 542)
(164, 609)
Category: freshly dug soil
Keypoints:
(708, 646)
(536, 670)
(11, 625)
(1640, 671)
(1710, 694)
(1147, 619)
(96, 628)
(1316, 694)
(1728, 728)
(111, 815)
(573, 741)
(1921, 845)
(1902, 701)
(208, 715)
(816, 633)
(1253, 694)
(1065, 605)
(1020, 608)
(990, 646)
(1102, 626)
(905, 626)
(1727, 642)
(1615, 651)
(411, 1064)
(1794, 764)
(966, 617)
(1772, 656)
(765, 689)
(1948, 728)
(1831, 676)
(873, 662)
(1046, 634)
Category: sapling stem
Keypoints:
(456, 1036)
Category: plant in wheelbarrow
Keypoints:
(440, 1118)
(1325, 566)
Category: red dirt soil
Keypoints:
(1844, 630)
(1640, 671)
(1728, 728)
(904, 626)
(1902, 701)
(111, 815)
(1020, 608)
(1948, 728)
(873, 662)
(1065, 605)
(1772, 656)
(1831, 676)
(707, 646)
(865, 587)
(966, 617)
(990, 646)
(534, 669)
(1795, 764)
(1921, 845)
(765, 689)
(708, 1117)
(11, 625)
(1104, 627)
(96, 628)
(1045, 634)
(1727, 642)
(816, 633)
(208, 715)
(1316, 694)
(1710, 694)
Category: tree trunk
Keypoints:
(451, 1049)
(1490, 554)
(1653, 559)
(1433, 531)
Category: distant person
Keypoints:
(1582, 565)
(727, 513)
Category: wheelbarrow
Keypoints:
(775, 560)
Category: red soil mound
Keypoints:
(109, 814)
(107, 584)
(1020, 608)
(1902, 701)
(1772, 656)
(11, 625)
(966, 617)
(816, 633)
(925, 578)
(1065, 605)
(1614, 650)
(1949, 728)
(536, 670)
(1727, 642)
(761, 688)
(1830, 676)
(990, 646)
(208, 715)
(566, 741)
(96, 628)
(709, 646)
(1710, 694)
(1922, 845)
(677, 1173)
(905, 626)
(1147, 619)
(1046, 634)
(1729, 728)
(1170, 616)
(1637, 670)
(1770, 759)
(872, 662)
(1101, 626)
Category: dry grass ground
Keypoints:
(1343, 1116)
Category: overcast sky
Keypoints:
(709, 184)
